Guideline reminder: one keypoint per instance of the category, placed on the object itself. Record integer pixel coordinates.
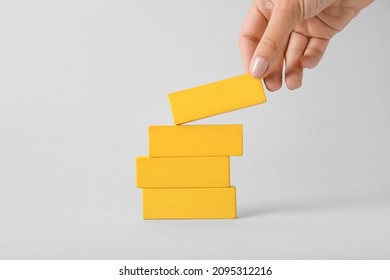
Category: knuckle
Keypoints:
(291, 9)
(266, 6)
(248, 37)
(269, 43)
(297, 51)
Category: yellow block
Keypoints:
(195, 140)
(182, 172)
(216, 98)
(199, 203)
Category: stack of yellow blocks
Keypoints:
(187, 172)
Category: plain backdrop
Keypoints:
(81, 81)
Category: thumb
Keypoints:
(285, 15)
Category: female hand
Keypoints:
(294, 32)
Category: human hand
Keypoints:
(294, 32)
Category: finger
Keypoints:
(284, 17)
(273, 80)
(251, 32)
(295, 50)
(314, 52)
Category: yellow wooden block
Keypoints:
(182, 172)
(216, 98)
(195, 140)
(197, 203)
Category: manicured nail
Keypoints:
(259, 66)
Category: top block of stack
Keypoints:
(216, 98)
(195, 140)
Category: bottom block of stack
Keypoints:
(190, 203)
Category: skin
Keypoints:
(293, 33)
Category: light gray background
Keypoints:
(81, 81)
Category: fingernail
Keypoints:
(259, 66)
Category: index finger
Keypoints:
(251, 33)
